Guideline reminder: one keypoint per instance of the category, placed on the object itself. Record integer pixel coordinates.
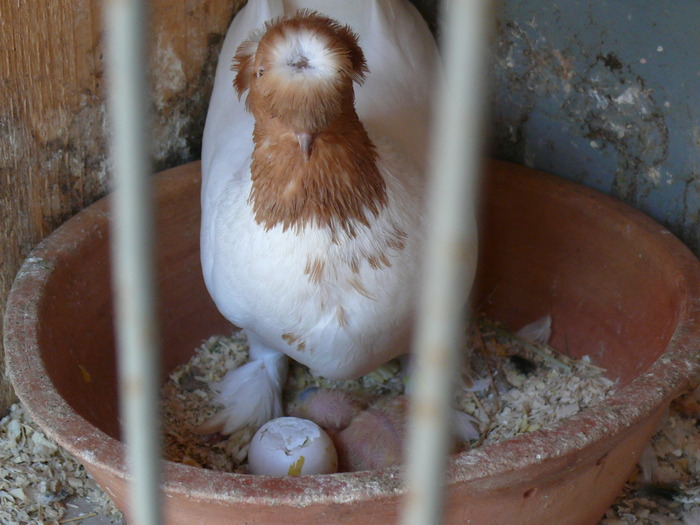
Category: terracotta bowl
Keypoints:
(619, 287)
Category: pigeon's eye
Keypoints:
(260, 72)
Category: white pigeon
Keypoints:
(313, 162)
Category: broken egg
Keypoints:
(291, 446)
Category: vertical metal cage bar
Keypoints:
(455, 153)
(132, 252)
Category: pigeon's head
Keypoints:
(300, 70)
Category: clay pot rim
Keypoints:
(665, 378)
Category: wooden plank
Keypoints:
(53, 130)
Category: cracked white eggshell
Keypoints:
(291, 446)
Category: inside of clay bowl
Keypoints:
(619, 288)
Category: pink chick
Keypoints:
(375, 438)
(332, 410)
(368, 436)
(313, 190)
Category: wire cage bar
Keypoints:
(132, 252)
(455, 152)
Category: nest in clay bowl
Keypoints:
(620, 288)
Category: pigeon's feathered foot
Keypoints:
(251, 394)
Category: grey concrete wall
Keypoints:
(606, 93)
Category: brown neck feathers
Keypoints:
(338, 184)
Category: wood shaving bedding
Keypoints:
(39, 480)
(665, 489)
(530, 385)
(508, 404)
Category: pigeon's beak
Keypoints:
(305, 140)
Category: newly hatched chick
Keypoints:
(332, 410)
(369, 433)
(312, 209)
(374, 439)
(365, 437)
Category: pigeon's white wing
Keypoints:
(228, 134)
(227, 144)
